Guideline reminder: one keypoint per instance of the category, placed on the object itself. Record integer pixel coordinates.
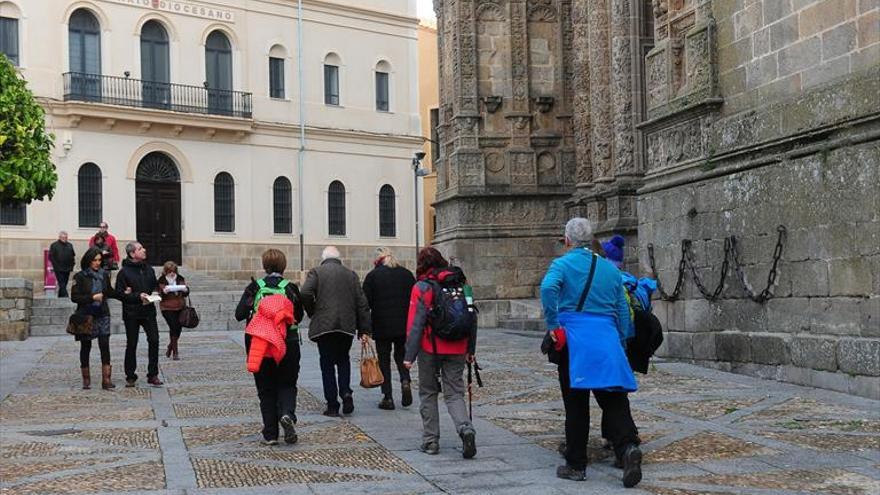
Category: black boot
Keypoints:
(632, 466)
(387, 403)
(569, 473)
(347, 404)
(406, 398)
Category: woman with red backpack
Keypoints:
(442, 352)
(275, 380)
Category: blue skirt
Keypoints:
(596, 359)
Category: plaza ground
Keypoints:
(703, 431)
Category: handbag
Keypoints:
(548, 347)
(371, 375)
(188, 317)
(80, 325)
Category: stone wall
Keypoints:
(788, 133)
(16, 300)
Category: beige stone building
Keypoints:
(178, 122)
(429, 103)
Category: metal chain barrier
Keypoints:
(687, 261)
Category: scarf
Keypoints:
(97, 277)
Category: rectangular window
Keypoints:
(331, 85)
(382, 91)
(435, 135)
(13, 214)
(276, 77)
(9, 39)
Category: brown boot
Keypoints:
(169, 348)
(174, 341)
(87, 378)
(106, 384)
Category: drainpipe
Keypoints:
(302, 132)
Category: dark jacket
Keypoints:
(140, 277)
(62, 256)
(81, 294)
(333, 298)
(245, 308)
(388, 291)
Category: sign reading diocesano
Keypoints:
(185, 8)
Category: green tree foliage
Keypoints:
(26, 169)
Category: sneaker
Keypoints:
(130, 382)
(270, 443)
(632, 466)
(155, 381)
(569, 473)
(468, 443)
(289, 426)
(430, 448)
(406, 393)
(387, 403)
(347, 404)
(332, 412)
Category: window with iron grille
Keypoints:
(435, 135)
(276, 77)
(224, 203)
(382, 91)
(13, 214)
(282, 206)
(387, 214)
(9, 38)
(331, 84)
(89, 184)
(336, 208)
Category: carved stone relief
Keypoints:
(497, 172)
(548, 172)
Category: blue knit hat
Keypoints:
(614, 250)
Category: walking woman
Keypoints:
(388, 288)
(438, 358)
(173, 289)
(91, 290)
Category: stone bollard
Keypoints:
(16, 301)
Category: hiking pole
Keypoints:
(470, 393)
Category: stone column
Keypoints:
(600, 69)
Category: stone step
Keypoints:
(525, 308)
(528, 324)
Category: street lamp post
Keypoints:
(418, 171)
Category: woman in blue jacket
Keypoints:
(586, 311)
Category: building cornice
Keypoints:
(346, 135)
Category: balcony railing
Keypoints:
(128, 92)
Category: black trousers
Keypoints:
(276, 386)
(172, 318)
(333, 350)
(85, 349)
(383, 352)
(617, 422)
(132, 328)
(62, 278)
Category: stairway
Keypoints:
(214, 300)
(523, 314)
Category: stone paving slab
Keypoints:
(703, 431)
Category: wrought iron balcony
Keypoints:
(128, 92)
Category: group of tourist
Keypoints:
(588, 309)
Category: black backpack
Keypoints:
(450, 315)
(648, 338)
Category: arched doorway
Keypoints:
(157, 196)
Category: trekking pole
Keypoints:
(470, 393)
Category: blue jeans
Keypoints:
(333, 349)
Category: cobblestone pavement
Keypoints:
(704, 432)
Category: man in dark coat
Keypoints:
(388, 288)
(333, 298)
(63, 259)
(135, 282)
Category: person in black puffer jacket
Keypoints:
(388, 288)
(136, 281)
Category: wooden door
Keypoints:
(158, 220)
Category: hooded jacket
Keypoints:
(140, 277)
(418, 333)
(268, 331)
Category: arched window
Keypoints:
(383, 75)
(331, 79)
(282, 206)
(90, 196)
(387, 214)
(84, 36)
(155, 65)
(276, 71)
(336, 208)
(224, 203)
(218, 72)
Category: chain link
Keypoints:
(731, 252)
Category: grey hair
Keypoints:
(330, 252)
(131, 247)
(579, 232)
(388, 258)
(62, 232)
